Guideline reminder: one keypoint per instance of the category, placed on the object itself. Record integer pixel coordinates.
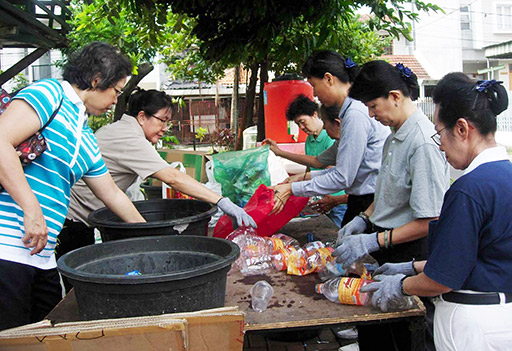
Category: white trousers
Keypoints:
(459, 327)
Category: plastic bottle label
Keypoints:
(277, 244)
(348, 291)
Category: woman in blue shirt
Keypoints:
(470, 246)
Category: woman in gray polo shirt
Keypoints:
(411, 184)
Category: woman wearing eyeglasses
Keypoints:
(470, 245)
(35, 199)
(410, 186)
(128, 151)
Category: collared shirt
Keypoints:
(127, 154)
(414, 175)
(470, 245)
(358, 158)
(314, 146)
(72, 153)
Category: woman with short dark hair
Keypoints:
(410, 187)
(35, 199)
(470, 245)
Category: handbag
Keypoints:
(35, 145)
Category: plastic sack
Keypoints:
(259, 207)
(241, 172)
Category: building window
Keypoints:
(388, 50)
(504, 20)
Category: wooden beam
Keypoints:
(21, 65)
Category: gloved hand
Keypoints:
(396, 268)
(354, 246)
(232, 210)
(386, 291)
(355, 226)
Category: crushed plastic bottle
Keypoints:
(345, 290)
(261, 293)
(312, 246)
(331, 270)
(255, 257)
(278, 241)
(402, 304)
(317, 259)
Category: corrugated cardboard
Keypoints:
(218, 329)
(194, 161)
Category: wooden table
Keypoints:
(296, 305)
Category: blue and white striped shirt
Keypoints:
(72, 153)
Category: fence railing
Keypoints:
(504, 120)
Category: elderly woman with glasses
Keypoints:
(128, 150)
(34, 200)
(470, 245)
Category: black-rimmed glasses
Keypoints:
(437, 137)
(165, 122)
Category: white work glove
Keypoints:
(355, 226)
(354, 247)
(405, 268)
(235, 212)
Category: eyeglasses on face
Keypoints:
(437, 137)
(165, 122)
(118, 91)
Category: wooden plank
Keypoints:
(21, 65)
(296, 304)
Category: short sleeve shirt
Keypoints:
(470, 246)
(328, 157)
(72, 153)
(315, 146)
(413, 177)
(127, 154)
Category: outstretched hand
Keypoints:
(282, 192)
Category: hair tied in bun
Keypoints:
(404, 71)
(349, 63)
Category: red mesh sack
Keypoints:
(259, 207)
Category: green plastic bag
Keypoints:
(241, 172)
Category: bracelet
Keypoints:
(219, 200)
(386, 238)
(414, 269)
(391, 237)
(402, 286)
(365, 218)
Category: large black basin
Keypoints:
(163, 216)
(178, 274)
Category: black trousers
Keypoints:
(355, 205)
(27, 294)
(73, 235)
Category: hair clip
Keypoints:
(349, 63)
(483, 85)
(404, 71)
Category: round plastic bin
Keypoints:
(177, 274)
(163, 216)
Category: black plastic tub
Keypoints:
(163, 216)
(178, 274)
(151, 192)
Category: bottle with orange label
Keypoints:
(280, 259)
(312, 246)
(319, 258)
(345, 290)
(279, 241)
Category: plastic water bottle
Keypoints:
(255, 257)
(402, 304)
(312, 246)
(331, 270)
(319, 258)
(261, 293)
(278, 241)
(345, 290)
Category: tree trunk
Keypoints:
(122, 100)
(234, 101)
(261, 117)
(250, 93)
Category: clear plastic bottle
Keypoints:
(255, 257)
(402, 304)
(278, 241)
(345, 290)
(331, 270)
(312, 246)
(319, 258)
